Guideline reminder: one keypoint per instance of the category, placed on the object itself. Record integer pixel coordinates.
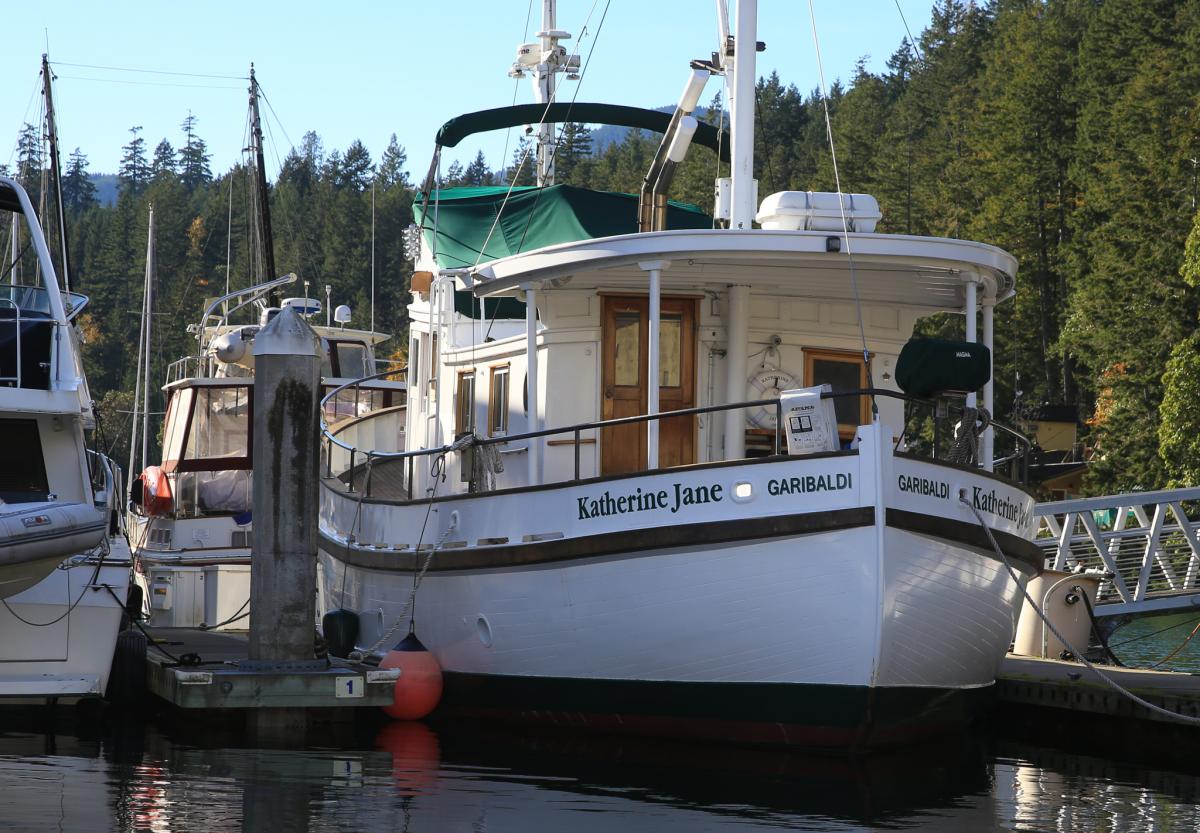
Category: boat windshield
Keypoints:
(34, 301)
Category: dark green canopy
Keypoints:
(533, 218)
(457, 129)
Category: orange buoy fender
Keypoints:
(420, 685)
(156, 491)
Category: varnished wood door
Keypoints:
(624, 345)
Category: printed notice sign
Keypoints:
(809, 420)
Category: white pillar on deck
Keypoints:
(969, 310)
(534, 454)
(737, 329)
(988, 446)
(653, 352)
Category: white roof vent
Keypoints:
(818, 211)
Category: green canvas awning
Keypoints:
(457, 129)
(533, 218)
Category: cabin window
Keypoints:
(433, 364)
(220, 424)
(23, 470)
(178, 410)
(627, 359)
(353, 402)
(670, 347)
(351, 359)
(498, 402)
(843, 371)
(464, 415)
(414, 364)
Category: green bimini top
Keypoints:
(534, 218)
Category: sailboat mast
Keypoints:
(151, 274)
(56, 172)
(264, 214)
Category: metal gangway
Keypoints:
(1145, 542)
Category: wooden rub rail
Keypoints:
(1147, 542)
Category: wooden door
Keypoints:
(624, 341)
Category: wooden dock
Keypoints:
(223, 678)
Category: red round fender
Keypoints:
(420, 685)
(156, 491)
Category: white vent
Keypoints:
(818, 211)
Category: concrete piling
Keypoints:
(285, 457)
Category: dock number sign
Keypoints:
(348, 687)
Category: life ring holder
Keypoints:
(767, 383)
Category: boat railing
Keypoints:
(190, 367)
(244, 297)
(362, 461)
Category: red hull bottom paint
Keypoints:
(775, 714)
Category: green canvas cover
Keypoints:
(534, 218)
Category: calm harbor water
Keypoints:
(78, 772)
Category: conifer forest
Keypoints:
(1066, 132)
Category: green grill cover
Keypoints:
(933, 366)
(533, 218)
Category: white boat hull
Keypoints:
(57, 637)
(790, 618)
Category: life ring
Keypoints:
(767, 383)
(156, 491)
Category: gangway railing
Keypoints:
(1147, 543)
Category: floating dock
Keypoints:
(226, 679)
(1071, 686)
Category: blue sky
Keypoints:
(387, 67)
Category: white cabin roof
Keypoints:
(929, 272)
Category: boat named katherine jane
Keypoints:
(660, 472)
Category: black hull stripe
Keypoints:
(684, 535)
(608, 543)
(750, 712)
(1027, 554)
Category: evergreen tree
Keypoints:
(163, 164)
(29, 161)
(134, 173)
(478, 172)
(523, 170)
(573, 152)
(391, 165)
(193, 156)
(79, 192)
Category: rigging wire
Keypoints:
(149, 83)
(842, 206)
(150, 71)
(516, 89)
(912, 44)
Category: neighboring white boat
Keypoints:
(62, 590)
(707, 570)
(190, 517)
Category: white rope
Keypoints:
(1146, 704)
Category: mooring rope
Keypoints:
(1146, 704)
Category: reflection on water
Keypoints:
(76, 774)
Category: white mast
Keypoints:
(141, 393)
(744, 200)
(545, 60)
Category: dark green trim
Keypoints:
(498, 118)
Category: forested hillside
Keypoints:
(1064, 131)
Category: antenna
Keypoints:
(372, 255)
